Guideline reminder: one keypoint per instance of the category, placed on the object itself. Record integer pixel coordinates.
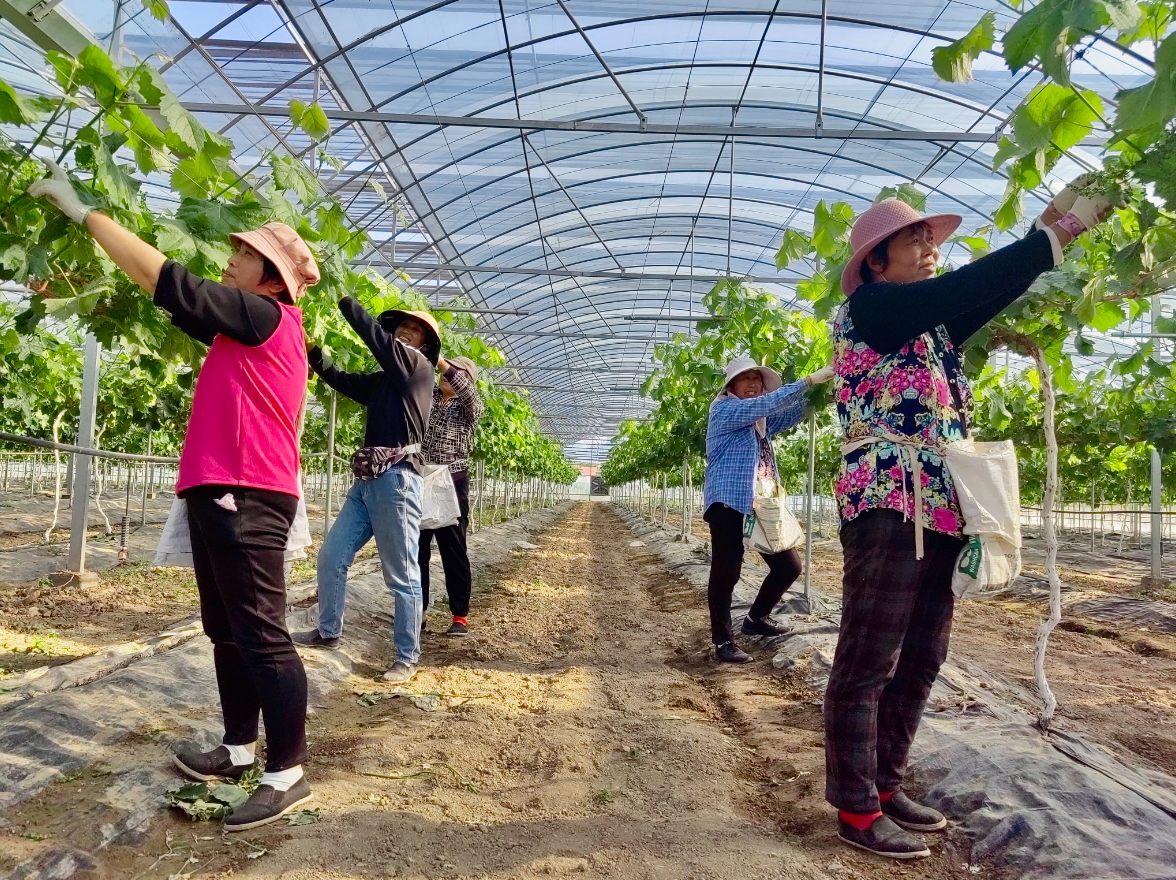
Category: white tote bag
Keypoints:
(988, 486)
(440, 508)
(771, 527)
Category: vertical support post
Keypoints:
(330, 464)
(146, 471)
(808, 506)
(1157, 518)
(81, 486)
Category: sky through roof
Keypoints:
(706, 129)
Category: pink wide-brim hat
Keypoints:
(285, 248)
(881, 221)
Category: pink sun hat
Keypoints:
(879, 222)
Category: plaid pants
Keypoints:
(895, 627)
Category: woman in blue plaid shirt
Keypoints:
(753, 406)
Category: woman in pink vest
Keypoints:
(239, 474)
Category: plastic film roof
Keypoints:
(723, 124)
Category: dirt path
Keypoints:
(568, 741)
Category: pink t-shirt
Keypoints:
(244, 425)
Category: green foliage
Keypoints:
(689, 374)
(132, 125)
(953, 62)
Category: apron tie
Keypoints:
(905, 446)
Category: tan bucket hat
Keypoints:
(466, 365)
(392, 318)
(285, 248)
(881, 221)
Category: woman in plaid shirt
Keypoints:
(749, 411)
(456, 410)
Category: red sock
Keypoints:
(860, 821)
(884, 796)
(464, 621)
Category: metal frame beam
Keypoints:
(576, 125)
(623, 275)
(603, 63)
(51, 29)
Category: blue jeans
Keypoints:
(388, 507)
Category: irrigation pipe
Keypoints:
(85, 450)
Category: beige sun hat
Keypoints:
(285, 248)
(392, 318)
(879, 222)
(466, 365)
(744, 364)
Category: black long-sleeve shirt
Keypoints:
(203, 308)
(888, 315)
(398, 396)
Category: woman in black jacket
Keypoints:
(387, 497)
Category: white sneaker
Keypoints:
(400, 672)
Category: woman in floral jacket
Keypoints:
(901, 396)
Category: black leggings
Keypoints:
(238, 556)
(451, 541)
(726, 529)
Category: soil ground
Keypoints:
(584, 729)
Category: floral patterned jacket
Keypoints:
(907, 393)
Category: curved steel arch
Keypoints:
(636, 20)
(684, 140)
(856, 196)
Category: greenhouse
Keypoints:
(736, 357)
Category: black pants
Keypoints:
(895, 627)
(726, 530)
(238, 558)
(451, 542)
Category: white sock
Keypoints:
(281, 780)
(241, 755)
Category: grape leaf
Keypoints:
(1154, 103)
(953, 62)
(17, 110)
(904, 192)
(795, 246)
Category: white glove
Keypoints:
(60, 192)
(1064, 200)
(1090, 210)
(821, 376)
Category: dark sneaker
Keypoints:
(424, 624)
(207, 766)
(267, 804)
(729, 652)
(764, 627)
(400, 673)
(457, 628)
(313, 639)
(883, 838)
(912, 816)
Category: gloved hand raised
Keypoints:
(59, 191)
(821, 376)
(1064, 201)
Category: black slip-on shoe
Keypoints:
(883, 838)
(765, 626)
(312, 638)
(206, 766)
(912, 816)
(729, 652)
(457, 628)
(267, 804)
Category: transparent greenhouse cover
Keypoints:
(709, 128)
